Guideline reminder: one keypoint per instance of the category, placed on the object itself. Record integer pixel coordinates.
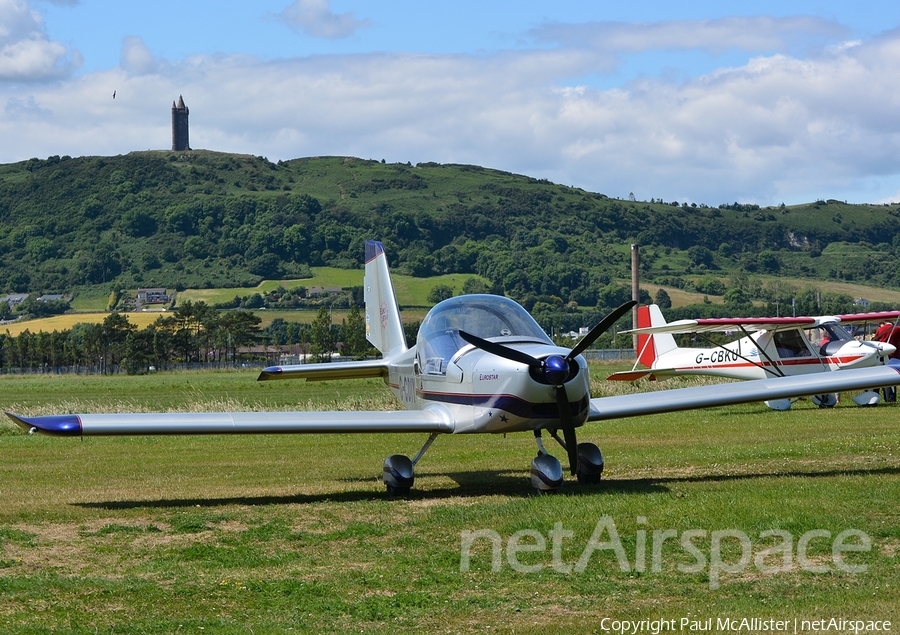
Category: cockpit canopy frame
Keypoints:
(491, 317)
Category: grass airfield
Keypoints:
(293, 533)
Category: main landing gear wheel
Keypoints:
(399, 470)
(828, 400)
(590, 464)
(398, 474)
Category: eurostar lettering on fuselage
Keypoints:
(488, 377)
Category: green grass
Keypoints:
(272, 534)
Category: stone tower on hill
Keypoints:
(180, 126)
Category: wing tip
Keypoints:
(54, 425)
(270, 372)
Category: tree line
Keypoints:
(194, 333)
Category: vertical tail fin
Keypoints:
(383, 326)
(651, 346)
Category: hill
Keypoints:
(204, 219)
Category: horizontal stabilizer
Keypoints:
(629, 375)
(323, 372)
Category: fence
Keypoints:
(609, 354)
(592, 355)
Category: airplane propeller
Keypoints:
(555, 370)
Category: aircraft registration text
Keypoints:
(717, 356)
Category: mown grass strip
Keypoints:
(230, 534)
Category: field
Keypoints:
(66, 321)
(275, 534)
(412, 294)
(410, 291)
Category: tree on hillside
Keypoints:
(700, 255)
(474, 285)
(662, 299)
(439, 293)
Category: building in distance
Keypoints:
(180, 113)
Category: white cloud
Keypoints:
(316, 19)
(750, 33)
(778, 128)
(28, 107)
(135, 57)
(26, 53)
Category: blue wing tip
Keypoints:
(54, 425)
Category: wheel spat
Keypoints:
(555, 370)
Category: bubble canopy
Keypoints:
(487, 316)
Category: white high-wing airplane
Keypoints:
(771, 347)
(480, 364)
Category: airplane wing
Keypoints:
(647, 403)
(704, 325)
(435, 419)
(859, 318)
(323, 372)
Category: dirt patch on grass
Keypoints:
(890, 548)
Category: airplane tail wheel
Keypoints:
(398, 475)
(828, 400)
(590, 463)
(546, 473)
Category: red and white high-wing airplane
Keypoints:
(481, 364)
(771, 347)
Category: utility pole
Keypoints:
(635, 287)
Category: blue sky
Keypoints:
(707, 102)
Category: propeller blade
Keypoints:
(500, 351)
(598, 330)
(568, 426)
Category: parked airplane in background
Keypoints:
(771, 347)
(481, 364)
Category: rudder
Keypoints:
(652, 345)
(384, 329)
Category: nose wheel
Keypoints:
(546, 471)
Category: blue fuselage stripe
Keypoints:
(508, 403)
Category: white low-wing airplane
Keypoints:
(771, 347)
(480, 364)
